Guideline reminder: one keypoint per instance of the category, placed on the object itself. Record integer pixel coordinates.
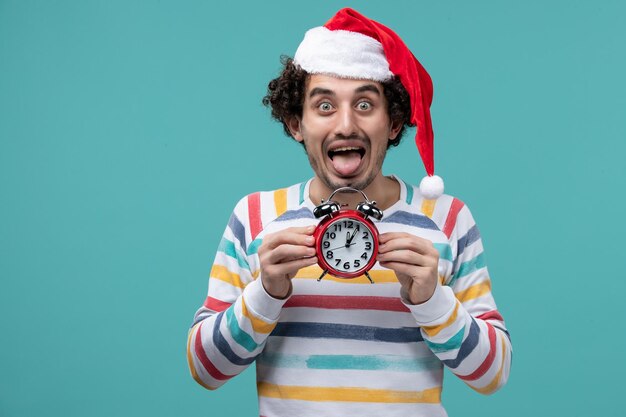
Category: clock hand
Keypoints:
(343, 246)
(351, 237)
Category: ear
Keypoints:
(396, 125)
(294, 124)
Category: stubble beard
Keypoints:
(348, 182)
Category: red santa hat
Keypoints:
(350, 45)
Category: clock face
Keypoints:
(348, 246)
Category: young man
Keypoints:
(343, 346)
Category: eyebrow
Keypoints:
(326, 92)
(367, 87)
(321, 91)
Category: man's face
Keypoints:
(345, 129)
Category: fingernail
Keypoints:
(310, 239)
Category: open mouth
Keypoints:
(346, 159)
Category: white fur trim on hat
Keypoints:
(342, 53)
(431, 187)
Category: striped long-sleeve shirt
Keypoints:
(343, 347)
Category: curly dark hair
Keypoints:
(285, 96)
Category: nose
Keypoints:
(345, 123)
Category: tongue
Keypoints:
(346, 163)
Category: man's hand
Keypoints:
(415, 262)
(282, 254)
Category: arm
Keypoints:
(459, 320)
(231, 327)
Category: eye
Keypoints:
(364, 105)
(325, 106)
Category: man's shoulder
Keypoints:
(411, 194)
(444, 211)
(278, 199)
(259, 209)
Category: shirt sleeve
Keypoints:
(460, 323)
(230, 328)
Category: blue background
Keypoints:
(129, 129)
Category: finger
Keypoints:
(307, 230)
(293, 236)
(385, 237)
(406, 241)
(285, 253)
(290, 268)
(407, 272)
(409, 257)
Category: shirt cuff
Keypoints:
(261, 303)
(437, 306)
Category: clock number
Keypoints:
(337, 227)
(329, 254)
(348, 224)
(368, 245)
(366, 235)
(364, 256)
(357, 263)
(326, 244)
(330, 235)
(346, 265)
(337, 261)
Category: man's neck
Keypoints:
(384, 190)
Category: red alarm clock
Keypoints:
(346, 240)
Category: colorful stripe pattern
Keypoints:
(347, 302)
(397, 363)
(345, 346)
(348, 394)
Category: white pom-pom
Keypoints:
(431, 187)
